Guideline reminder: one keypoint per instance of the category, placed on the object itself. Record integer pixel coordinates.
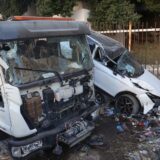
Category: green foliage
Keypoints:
(152, 5)
(14, 7)
(118, 11)
(50, 7)
(44, 7)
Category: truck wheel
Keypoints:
(127, 104)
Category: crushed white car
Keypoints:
(118, 74)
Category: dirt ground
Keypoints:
(116, 145)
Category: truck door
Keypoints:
(5, 123)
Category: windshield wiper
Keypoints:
(45, 71)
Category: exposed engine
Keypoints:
(76, 132)
(51, 106)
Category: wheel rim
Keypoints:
(125, 105)
(99, 98)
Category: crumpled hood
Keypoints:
(149, 82)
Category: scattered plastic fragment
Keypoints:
(125, 127)
(119, 128)
(85, 148)
(57, 150)
(96, 140)
(109, 111)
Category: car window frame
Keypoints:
(90, 39)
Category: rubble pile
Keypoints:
(149, 150)
(117, 136)
(145, 128)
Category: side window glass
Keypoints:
(98, 55)
(66, 50)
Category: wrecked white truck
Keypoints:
(46, 84)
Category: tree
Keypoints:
(118, 11)
(149, 9)
(14, 7)
(151, 5)
(43, 7)
(50, 7)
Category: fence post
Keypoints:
(130, 36)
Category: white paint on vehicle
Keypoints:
(146, 102)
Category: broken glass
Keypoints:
(128, 65)
(61, 54)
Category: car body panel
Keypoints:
(152, 83)
(146, 102)
(115, 84)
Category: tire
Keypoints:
(100, 99)
(127, 104)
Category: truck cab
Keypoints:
(46, 84)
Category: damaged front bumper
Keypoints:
(23, 148)
(148, 101)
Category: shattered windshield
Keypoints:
(128, 65)
(27, 58)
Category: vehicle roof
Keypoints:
(12, 30)
(112, 47)
(29, 18)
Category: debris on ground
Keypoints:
(96, 140)
(117, 137)
(109, 111)
(149, 150)
(4, 155)
(90, 155)
(58, 150)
